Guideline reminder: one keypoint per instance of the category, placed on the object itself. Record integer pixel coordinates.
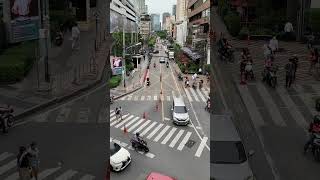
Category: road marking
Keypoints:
(166, 139)
(175, 140)
(198, 127)
(155, 98)
(84, 115)
(123, 98)
(168, 98)
(5, 155)
(47, 173)
(129, 98)
(201, 96)
(149, 98)
(161, 133)
(122, 122)
(8, 166)
(41, 117)
(188, 94)
(135, 125)
(14, 176)
(150, 155)
(67, 175)
(201, 146)
(167, 119)
(142, 126)
(87, 177)
(63, 114)
(189, 125)
(113, 117)
(154, 131)
(148, 128)
(184, 141)
(135, 98)
(194, 94)
(129, 123)
(142, 98)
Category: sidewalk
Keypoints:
(256, 50)
(133, 83)
(86, 66)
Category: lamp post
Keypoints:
(96, 14)
(123, 47)
(44, 36)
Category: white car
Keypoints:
(119, 157)
(162, 60)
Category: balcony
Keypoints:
(202, 7)
(191, 2)
(200, 21)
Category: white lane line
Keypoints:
(201, 146)
(47, 173)
(148, 98)
(129, 123)
(155, 98)
(8, 166)
(63, 114)
(142, 126)
(201, 96)
(194, 94)
(123, 98)
(167, 119)
(129, 98)
(154, 131)
(123, 121)
(188, 94)
(87, 177)
(168, 98)
(84, 115)
(135, 125)
(166, 139)
(184, 141)
(120, 143)
(142, 98)
(67, 175)
(41, 117)
(14, 176)
(148, 129)
(161, 133)
(5, 155)
(150, 155)
(175, 140)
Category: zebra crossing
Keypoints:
(155, 131)
(280, 107)
(8, 171)
(193, 95)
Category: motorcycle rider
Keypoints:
(154, 65)
(138, 138)
(314, 128)
(3, 120)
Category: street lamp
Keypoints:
(96, 14)
(123, 47)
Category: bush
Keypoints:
(129, 66)
(233, 23)
(206, 68)
(114, 81)
(16, 62)
(192, 68)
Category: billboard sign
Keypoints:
(116, 65)
(25, 20)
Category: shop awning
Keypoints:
(193, 55)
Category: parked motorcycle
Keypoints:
(140, 146)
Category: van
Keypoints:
(228, 159)
(179, 110)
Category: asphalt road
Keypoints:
(272, 122)
(168, 152)
(71, 139)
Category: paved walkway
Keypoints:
(25, 95)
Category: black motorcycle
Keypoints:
(6, 118)
(139, 145)
(58, 40)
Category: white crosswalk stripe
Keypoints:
(166, 139)
(201, 147)
(8, 166)
(142, 98)
(5, 155)
(155, 98)
(161, 133)
(67, 175)
(154, 131)
(129, 123)
(194, 94)
(63, 114)
(135, 125)
(129, 98)
(175, 140)
(148, 98)
(168, 98)
(142, 126)
(201, 96)
(14, 176)
(83, 116)
(136, 98)
(87, 177)
(148, 129)
(123, 121)
(188, 94)
(47, 172)
(184, 141)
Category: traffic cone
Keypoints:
(125, 130)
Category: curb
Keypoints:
(44, 105)
(118, 97)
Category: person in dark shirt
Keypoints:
(23, 163)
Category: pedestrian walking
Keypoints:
(120, 112)
(34, 159)
(75, 33)
(274, 44)
(117, 113)
(289, 73)
(242, 67)
(266, 51)
(23, 163)
(314, 56)
(295, 61)
(288, 30)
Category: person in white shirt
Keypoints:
(21, 7)
(288, 30)
(274, 44)
(75, 33)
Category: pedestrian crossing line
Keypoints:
(161, 133)
(83, 115)
(272, 107)
(184, 141)
(175, 140)
(148, 98)
(201, 96)
(135, 125)
(154, 131)
(166, 139)
(8, 166)
(117, 121)
(113, 116)
(63, 114)
(67, 175)
(5, 155)
(142, 126)
(47, 173)
(296, 114)
(135, 98)
(155, 98)
(142, 98)
(188, 94)
(148, 129)
(201, 147)
(123, 121)
(194, 94)
(14, 176)
(129, 123)
(87, 177)
(251, 106)
(123, 98)
(41, 117)
(129, 98)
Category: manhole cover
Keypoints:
(190, 143)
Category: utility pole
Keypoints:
(44, 36)
(124, 49)
(301, 20)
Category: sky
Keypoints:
(160, 6)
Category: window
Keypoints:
(114, 148)
(227, 152)
(180, 109)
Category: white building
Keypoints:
(181, 22)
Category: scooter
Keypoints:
(7, 118)
(194, 86)
(140, 146)
(180, 78)
(167, 65)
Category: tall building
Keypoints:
(146, 9)
(155, 22)
(164, 16)
(181, 10)
(140, 6)
(174, 9)
(145, 26)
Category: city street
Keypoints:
(182, 152)
(71, 139)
